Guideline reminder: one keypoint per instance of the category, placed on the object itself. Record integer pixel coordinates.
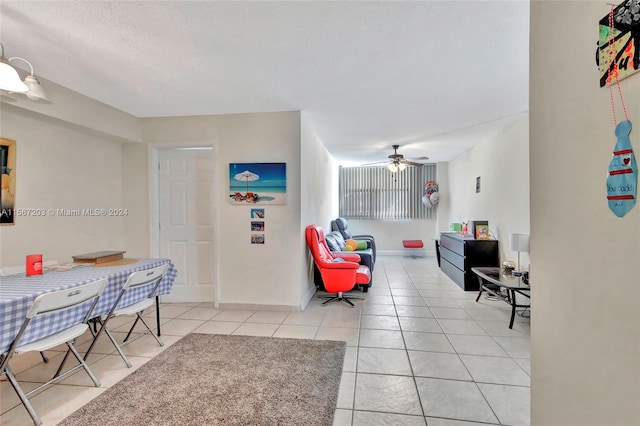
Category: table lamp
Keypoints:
(519, 243)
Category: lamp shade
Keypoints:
(396, 167)
(10, 80)
(36, 92)
(519, 242)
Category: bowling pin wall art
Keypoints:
(622, 179)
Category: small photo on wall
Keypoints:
(257, 238)
(257, 213)
(257, 225)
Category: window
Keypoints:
(376, 193)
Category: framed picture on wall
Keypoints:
(258, 183)
(257, 225)
(257, 213)
(8, 181)
(618, 43)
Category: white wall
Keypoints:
(135, 178)
(319, 196)
(444, 205)
(585, 321)
(61, 167)
(390, 233)
(73, 109)
(502, 163)
(248, 274)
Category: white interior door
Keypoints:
(185, 197)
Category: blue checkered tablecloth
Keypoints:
(17, 293)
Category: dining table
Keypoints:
(18, 291)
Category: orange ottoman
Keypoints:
(412, 245)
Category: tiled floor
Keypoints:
(419, 351)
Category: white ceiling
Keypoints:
(435, 77)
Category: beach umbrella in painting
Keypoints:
(246, 176)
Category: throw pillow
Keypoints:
(351, 245)
(332, 243)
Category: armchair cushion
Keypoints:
(337, 246)
(332, 243)
(340, 225)
(335, 241)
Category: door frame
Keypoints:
(153, 156)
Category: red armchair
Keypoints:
(338, 276)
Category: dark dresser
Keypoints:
(459, 254)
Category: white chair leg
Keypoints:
(22, 396)
(160, 342)
(115, 343)
(84, 364)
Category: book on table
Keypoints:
(99, 257)
(482, 232)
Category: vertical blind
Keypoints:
(376, 193)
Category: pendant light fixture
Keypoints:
(10, 79)
(396, 166)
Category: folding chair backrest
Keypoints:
(145, 277)
(65, 299)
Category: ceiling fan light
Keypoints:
(36, 92)
(10, 80)
(393, 167)
(402, 166)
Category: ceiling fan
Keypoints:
(397, 162)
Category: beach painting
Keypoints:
(258, 183)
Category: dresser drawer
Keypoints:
(452, 272)
(454, 258)
(456, 246)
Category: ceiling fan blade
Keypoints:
(377, 163)
(411, 163)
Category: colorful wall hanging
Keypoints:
(622, 180)
(430, 195)
(619, 37)
(622, 177)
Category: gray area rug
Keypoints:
(208, 379)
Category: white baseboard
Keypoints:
(407, 252)
(307, 298)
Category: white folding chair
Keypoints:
(82, 298)
(14, 270)
(147, 277)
